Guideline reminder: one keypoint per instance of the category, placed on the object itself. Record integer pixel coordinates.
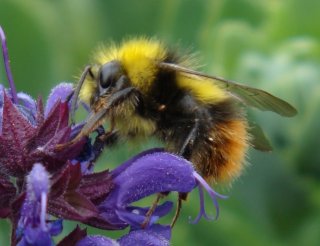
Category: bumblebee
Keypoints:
(145, 89)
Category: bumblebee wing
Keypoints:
(250, 96)
(258, 139)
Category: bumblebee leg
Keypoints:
(96, 116)
(185, 151)
(86, 71)
(152, 209)
(181, 197)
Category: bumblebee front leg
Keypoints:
(87, 71)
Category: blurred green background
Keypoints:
(273, 45)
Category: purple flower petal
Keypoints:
(37, 182)
(58, 93)
(55, 227)
(153, 173)
(28, 102)
(135, 216)
(35, 236)
(97, 241)
(160, 211)
(155, 235)
(26, 105)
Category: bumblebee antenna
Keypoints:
(7, 65)
(76, 93)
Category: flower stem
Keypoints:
(14, 222)
(7, 66)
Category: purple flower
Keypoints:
(155, 235)
(151, 172)
(33, 226)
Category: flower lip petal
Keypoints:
(97, 240)
(135, 216)
(160, 211)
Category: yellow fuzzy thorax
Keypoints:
(139, 58)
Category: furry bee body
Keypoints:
(200, 131)
(145, 89)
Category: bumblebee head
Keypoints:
(110, 77)
(104, 87)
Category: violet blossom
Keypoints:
(33, 226)
(39, 180)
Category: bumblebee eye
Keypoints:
(109, 74)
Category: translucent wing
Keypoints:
(250, 96)
(258, 139)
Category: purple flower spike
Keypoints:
(150, 172)
(33, 228)
(59, 93)
(213, 194)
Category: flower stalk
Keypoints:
(6, 61)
